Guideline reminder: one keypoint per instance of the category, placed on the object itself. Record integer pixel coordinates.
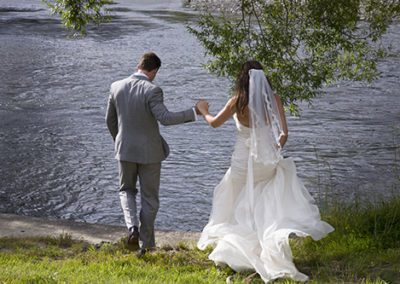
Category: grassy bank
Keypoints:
(365, 248)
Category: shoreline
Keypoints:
(12, 225)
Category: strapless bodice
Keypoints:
(243, 131)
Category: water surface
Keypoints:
(56, 154)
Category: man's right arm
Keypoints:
(112, 118)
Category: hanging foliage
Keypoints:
(77, 14)
(303, 45)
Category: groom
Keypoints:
(134, 108)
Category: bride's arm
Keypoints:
(224, 114)
(285, 132)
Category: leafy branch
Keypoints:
(77, 14)
(303, 45)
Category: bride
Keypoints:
(260, 201)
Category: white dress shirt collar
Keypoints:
(138, 73)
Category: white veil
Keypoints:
(265, 120)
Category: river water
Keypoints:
(56, 156)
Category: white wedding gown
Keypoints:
(249, 226)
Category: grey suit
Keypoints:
(134, 108)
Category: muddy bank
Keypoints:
(24, 226)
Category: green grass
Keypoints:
(364, 248)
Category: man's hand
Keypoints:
(202, 107)
(282, 139)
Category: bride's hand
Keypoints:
(202, 106)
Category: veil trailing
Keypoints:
(257, 207)
(265, 120)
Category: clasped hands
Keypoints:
(202, 107)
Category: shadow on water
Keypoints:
(170, 16)
(18, 10)
(115, 28)
(119, 26)
(29, 23)
(120, 22)
(119, 9)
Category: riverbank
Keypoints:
(16, 226)
(364, 248)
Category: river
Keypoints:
(56, 155)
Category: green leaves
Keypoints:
(77, 14)
(303, 45)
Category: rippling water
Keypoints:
(56, 155)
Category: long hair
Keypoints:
(242, 84)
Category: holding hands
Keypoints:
(214, 121)
(282, 139)
(202, 107)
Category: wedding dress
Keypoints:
(260, 201)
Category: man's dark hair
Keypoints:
(149, 61)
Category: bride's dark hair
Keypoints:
(242, 84)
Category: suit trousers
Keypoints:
(149, 181)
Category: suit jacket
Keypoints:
(135, 105)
